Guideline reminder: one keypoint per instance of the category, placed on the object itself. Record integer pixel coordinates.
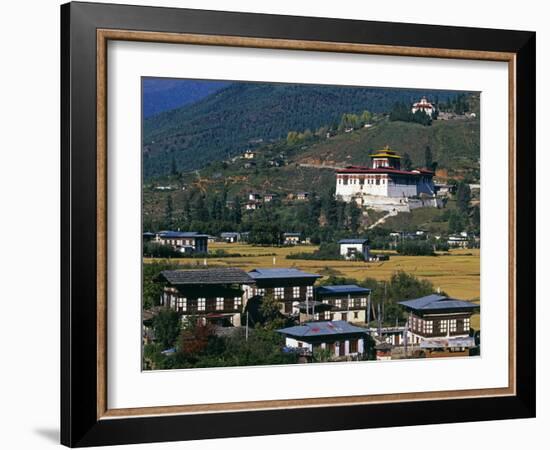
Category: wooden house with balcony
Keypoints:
(438, 322)
(289, 286)
(216, 296)
(347, 302)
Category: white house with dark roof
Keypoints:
(346, 302)
(354, 248)
(184, 241)
(340, 338)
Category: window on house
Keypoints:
(466, 325)
(325, 302)
(219, 303)
(279, 292)
(260, 291)
(296, 291)
(338, 303)
(363, 302)
(237, 302)
(181, 304)
(452, 325)
(443, 326)
(356, 315)
(309, 291)
(429, 326)
(201, 304)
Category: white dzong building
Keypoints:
(384, 186)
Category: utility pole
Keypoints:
(246, 333)
(368, 310)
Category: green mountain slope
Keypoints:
(250, 114)
(454, 144)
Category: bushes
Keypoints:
(155, 250)
(415, 248)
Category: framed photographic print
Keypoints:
(277, 224)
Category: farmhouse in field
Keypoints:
(458, 241)
(215, 296)
(354, 248)
(338, 337)
(230, 236)
(347, 302)
(384, 186)
(249, 154)
(184, 241)
(291, 238)
(288, 286)
(436, 321)
(423, 105)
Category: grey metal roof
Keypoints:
(266, 274)
(315, 329)
(434, 302)
(229, 234)
(180, 234)
(353, 241)
(341, 289)
(292, 234)
(223, 275)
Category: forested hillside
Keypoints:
(454, 144)
(244, 115)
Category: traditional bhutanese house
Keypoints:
(269, 197)
(249, 154)
(384, 179)
(184, 241)
(347, 302)
(313, 310)
(291, 238)
(252, 205)
(441, 320)
(230, 236)
(288, 286)
(302, 195)
(211, 295)
(423, 105)
(458, 241)
(339, 337)
(354, 248)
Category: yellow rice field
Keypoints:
(457, 274)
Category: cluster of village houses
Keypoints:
(335, 318)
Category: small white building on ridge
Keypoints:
(423, 105)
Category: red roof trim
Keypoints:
(381, 170)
